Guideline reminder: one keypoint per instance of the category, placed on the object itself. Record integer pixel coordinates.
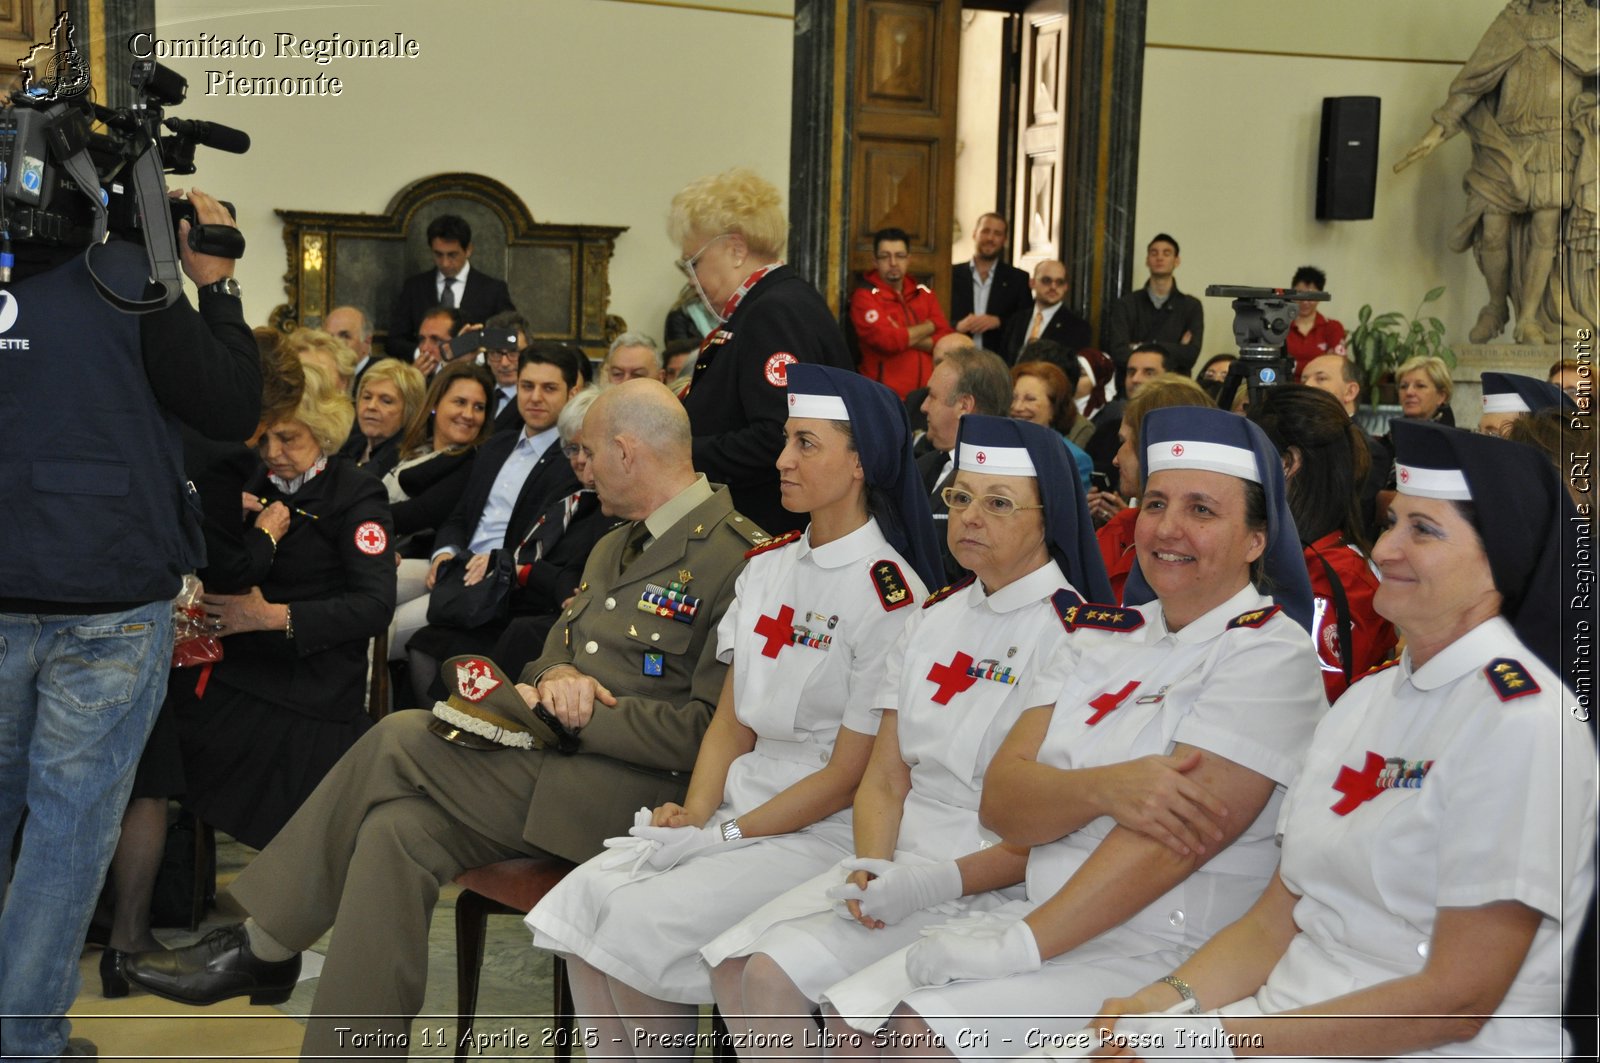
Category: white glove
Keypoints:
(1178, 1033)
(897, 890)
(670, 845)
(625, 850)
(982, 946)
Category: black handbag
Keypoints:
(454, 604)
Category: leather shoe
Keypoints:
(218, 966)
(113, 983)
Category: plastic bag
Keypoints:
(193, 641)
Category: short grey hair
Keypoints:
(635, 339)
(570, 421)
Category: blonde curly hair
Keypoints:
(324, 409)
(302, 340)
(734, 201)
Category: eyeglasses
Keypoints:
(571, 450)
(892, 256)
(499, 356)
(993, 505)
(686, 265)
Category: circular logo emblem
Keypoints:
(791, 400)
(371, 539)
(8, 311)
(1405, 475)
(777, 368)
(1177, 450)
(872, 315)
(1268, 375)
(982, 457)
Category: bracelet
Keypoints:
(288, 622)
(1183, 991)
(270, 537)
(731, 831)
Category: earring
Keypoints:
(433, 412)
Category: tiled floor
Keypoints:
(513, 1003)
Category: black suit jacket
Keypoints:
(1065, 328)
(484, 297)
(929, 466)
(1008, 293)
(550, 477)
(509, 418)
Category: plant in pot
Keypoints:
(1380, 344)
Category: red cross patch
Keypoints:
(872, 315)
(1177, 450)
(777, 369)
(475, 679)
(982, 457)
(1405, 476)
(371, 538)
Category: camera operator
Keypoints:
(99, 526)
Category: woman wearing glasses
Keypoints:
(732, 229)
(966, 666)
(1149, 786)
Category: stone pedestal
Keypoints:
(1466, 397)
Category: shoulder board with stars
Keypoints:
(781, 541)
(1509, 679)
(1066, 601)
(1101, 617)
(1254, 618)
(944, 592)
(890, 583)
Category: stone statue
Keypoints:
(1526, 100)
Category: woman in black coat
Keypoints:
(262, 726)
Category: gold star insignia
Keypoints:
(633, 631)
(699, 529)
(684, 576)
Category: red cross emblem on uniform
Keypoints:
(1358, 787)
(1405, 476)
(371, 538)
(475, 680)
(777, 630)
(952, 678)
(1107, 703)
(982, 457)
(1177, 450)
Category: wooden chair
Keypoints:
(513, 887)
(510, 887)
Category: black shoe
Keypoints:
(113, 983)
(80, 1048)
(218, 966)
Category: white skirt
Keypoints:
(647, 929)
(816, 947)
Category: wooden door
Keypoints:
(903, 129)
(1041, 134)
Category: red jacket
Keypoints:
(1372, 638)
(1116, 547)
(881, 317)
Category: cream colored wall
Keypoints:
(593, 111)
(977, 131)
(1228, 149)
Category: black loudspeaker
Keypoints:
(1347, 164)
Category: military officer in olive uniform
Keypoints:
(629, 673)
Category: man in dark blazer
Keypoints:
(408, 809)
(1046, 317)
(985, 291)
(965, 381)
(452, 282)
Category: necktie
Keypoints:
(449, 297)
(635, 545)
(1038, 320)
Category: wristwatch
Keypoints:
(225, 286)
(731, 831)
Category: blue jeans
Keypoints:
(78, 696)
